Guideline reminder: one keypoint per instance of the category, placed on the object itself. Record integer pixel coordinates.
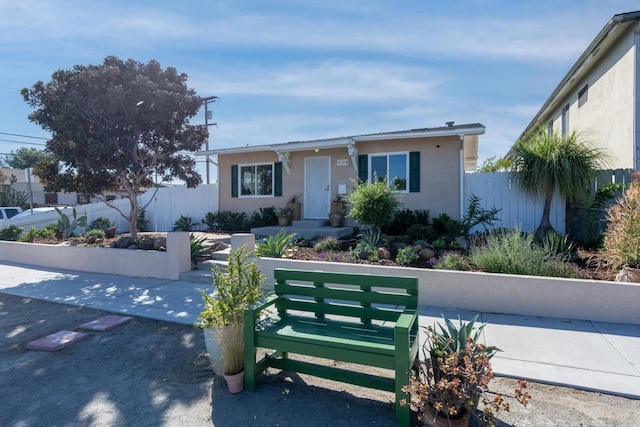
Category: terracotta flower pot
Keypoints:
(235, 383)
(435, 420)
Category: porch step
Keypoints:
(310, 223)
(202, 273)
(304, 232)
(221, 255)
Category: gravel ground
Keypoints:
(152, 373)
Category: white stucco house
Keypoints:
(600, 95)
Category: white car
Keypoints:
(26, 213)
(9, 212)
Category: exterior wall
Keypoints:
(607, 118)
(126, 262)
(594, 300)
(439, 175)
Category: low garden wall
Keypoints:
(501, 293)
(126, 262)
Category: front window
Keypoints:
(390, 168)
(256, 180)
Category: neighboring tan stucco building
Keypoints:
(599, 96)
(426, 165)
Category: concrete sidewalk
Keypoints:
(587, 355)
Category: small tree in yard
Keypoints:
(115, 126)
(546, 161)
(373, 204)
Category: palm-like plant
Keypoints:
(546, 161)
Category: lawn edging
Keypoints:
(595, 300)
(126, 262)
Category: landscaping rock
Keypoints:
(218, 246)
(124, 242)
(398, 245)
(384, 253)
(426, 254)
(160, 243)
(417, 248)
(146, 244)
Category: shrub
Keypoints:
(97, 233)
(405, 218)
(141, 221)
(198, 249)
(275, 247)
(263, 218)
(622, 236)
(11, 233)
(101, 223)
(515, 252)
(327, 244)
(184, 223)
(373, 204)
(475, 216)
(226, 221)
(50, 232)
(446, 228)
(453, 261)
(419, 232)
(406, 256)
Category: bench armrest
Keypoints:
(406, 321)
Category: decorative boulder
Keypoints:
(426, 253)
(383, 253)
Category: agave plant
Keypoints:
(275, 247)
(444, 340)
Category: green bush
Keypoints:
(446, 228)
(11, 233)
(453, 261)
(404, 219)
(327, 244)
(226, 221)
(184, 223)
(99, 234)
(419, 232)
(101, 223)
(264, 218)
(198, 248)
(406, 256)
(275, 247)
(141, 221)
(50, 232)
(373, 204)
(515, 252)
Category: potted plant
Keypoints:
(336, 218)
(284, 217)
(222, 317)
(295, 206)
(453, 378)
(339, 203)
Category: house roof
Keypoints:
(606, 38)
(453, 130)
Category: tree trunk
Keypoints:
(133, 216)
(545, 224)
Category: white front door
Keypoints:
(317, 187)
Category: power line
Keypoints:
(23, 142)
(23, 136)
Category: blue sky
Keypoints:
(297, 70)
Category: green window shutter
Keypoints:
(277, 179)
(234, 180)
(414, 172)
(363, 168)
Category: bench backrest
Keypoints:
(364, 296)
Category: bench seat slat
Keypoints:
(374, 297)
(407, 283)
(379, 313)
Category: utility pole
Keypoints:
(208, 116)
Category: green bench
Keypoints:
(366, 319)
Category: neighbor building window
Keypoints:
(565, 120)
(390, 168)
(256, 180)
(583, 95)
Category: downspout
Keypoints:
(461, 160)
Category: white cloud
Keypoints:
(333, 81)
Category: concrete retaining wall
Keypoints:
(126, 262)
(501, 293)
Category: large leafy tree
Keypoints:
(115, 126)
(24, 158)
(547, 161)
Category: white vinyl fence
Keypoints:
(517, 209)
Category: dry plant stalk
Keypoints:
(231, 340)
(622, 237)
